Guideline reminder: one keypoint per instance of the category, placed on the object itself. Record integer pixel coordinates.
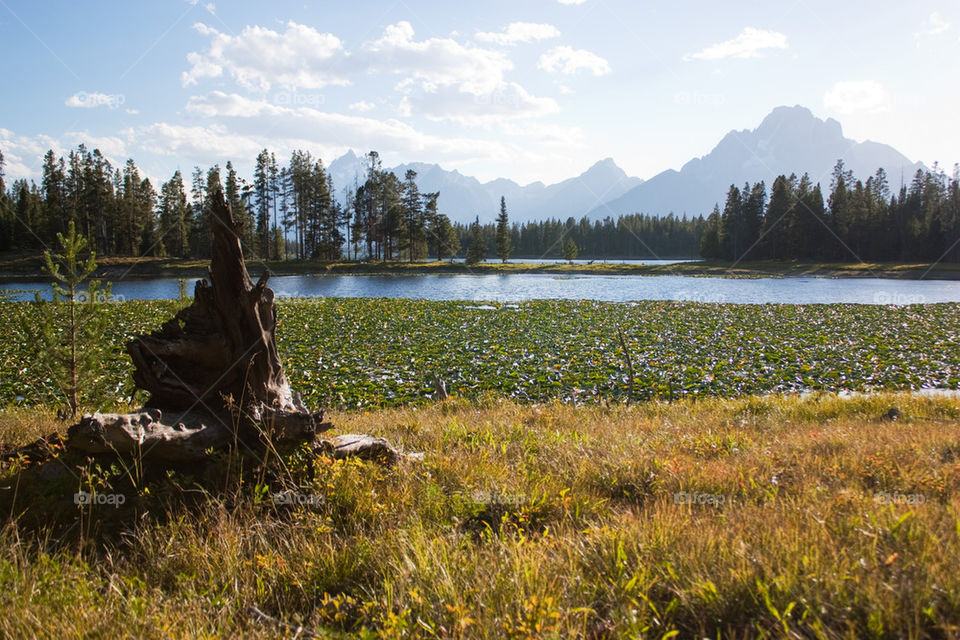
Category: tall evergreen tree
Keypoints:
(263, 194)
(503, 232)
(477, 251)
(175, 217)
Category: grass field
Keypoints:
(544, 506)
(773, 517)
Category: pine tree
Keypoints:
(503, 232)
(731, 225)
(710, 247)
(477, 251)
(263, 194)
(174, 217)
(67, 331)
(6, 213)
(570, 250)
(448, 244)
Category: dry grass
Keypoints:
(807, 518)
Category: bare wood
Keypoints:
(178, 437)
(212, 371)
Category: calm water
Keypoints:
(517, 287)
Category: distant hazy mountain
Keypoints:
(464, 197)
(789, 140)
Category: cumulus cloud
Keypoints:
(853, 97)
(300, 56)
(518, 32)
(435, 61)
(749, 44)
(211, 143)
(23, 155)
(568, 60)
(252, 119)
(508, 101)
(440, 77)
(934, 26)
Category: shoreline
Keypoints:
(28, 268)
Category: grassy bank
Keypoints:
(765, 517)
(28, 267)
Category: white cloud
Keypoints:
(508, 101)
(748, 44)
(213, 143)
(568, 61)
(361, 106)
(441, 78)
(852, 97)
(23, 155)
(934, 26)
(435, 61)
(572, 1)
(517, 32)
(301, 56)
(211, 8)
(251, 120)
(84, 100)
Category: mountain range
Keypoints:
(788, 140)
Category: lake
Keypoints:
(608, 288)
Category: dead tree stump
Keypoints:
(213, 368)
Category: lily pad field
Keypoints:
(358, 353)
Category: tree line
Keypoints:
(629, 236)
(290, 212)
(858, 220)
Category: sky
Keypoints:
(523, 89)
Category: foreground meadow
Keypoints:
(772, 517)
(543, 505)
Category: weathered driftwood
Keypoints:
(360, 446)
(212, 371)
(171, 436)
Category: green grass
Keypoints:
(521, 521)
(383, 352)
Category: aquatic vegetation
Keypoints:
(384, 352)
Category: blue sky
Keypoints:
(524, 89)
